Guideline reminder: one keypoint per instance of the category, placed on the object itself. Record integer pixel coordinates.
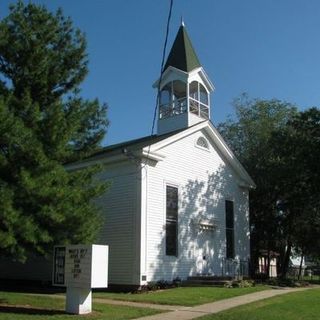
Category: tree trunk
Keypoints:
(286, 260)
(300, 267)
(268, 264)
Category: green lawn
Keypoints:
(18, 306)
(292, 306)
(185, 296)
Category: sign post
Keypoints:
(80, 268)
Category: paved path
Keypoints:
(214, 307)
(186, 313)
(141, 304)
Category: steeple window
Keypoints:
(199, 100)
(165, 95)
(193, 90)
(203, 95)
(173, 99)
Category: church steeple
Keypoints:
(184, 89)
(182, 55)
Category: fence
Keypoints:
(261, 272)
(306, 274)
(235, 268)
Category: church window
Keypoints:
(173, 100)
(203, 95)
(193, 90)
(198, 100)
(203, 143)
(229, 229)
(165, 95)
(171, 221)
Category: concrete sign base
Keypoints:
(78, 300)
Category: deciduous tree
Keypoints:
(251, 134)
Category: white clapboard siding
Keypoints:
(205, 181)
(119, 210)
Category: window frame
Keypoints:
(177, 104)
(201, 147)
(171, 222)
(197, 106)
(230, 234)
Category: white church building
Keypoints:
(178, 202)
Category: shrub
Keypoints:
(286, 282)
(159, 285)
(239, 284)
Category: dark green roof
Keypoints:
(129, 146)
(182, 55)
(135, 144)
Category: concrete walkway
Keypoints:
(186, 313)
(141, 304)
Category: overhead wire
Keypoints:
(155, 114)
(125, 151)
(161, 74)
(162, 66)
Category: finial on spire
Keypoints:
(182, 22)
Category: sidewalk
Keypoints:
(186, 313)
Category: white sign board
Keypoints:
(81, 266)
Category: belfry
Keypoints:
(184, 89)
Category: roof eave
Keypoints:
(166, 74)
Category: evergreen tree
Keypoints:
(44, 123)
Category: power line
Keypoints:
(161, 73)
(162, 65)
(125, 151)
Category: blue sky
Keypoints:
(267, 48)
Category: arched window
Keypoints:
(198, 100)
(165, 95)
(173, 100)
(203, 94)
(202, 143)
(193, 90)
(179, 89)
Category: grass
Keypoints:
(19, 306)
(291, 306)
(184, 296)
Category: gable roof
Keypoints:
(219, 142)
(182, 55)
(122, 148)
(150, 147)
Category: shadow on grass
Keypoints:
(30, 289)
(30, 310)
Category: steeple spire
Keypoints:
(182, 55)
